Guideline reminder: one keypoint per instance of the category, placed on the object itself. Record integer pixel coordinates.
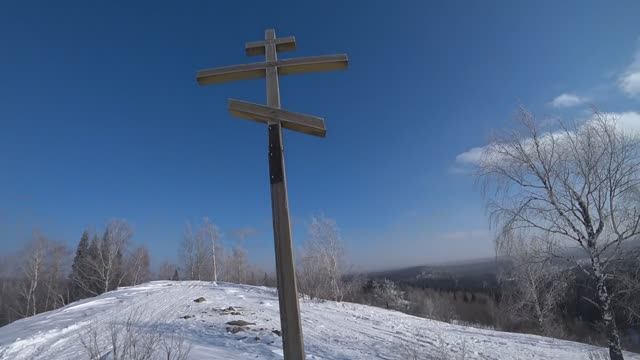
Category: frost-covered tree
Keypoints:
(532, 284)
(202, 251)
(236, 265)
(386, 293)
(41, 276)
(57, 287)
(32, 273)
(579, 187)
(211, 235)
(103, 269)
(137, 267)
(321, 264)
(189, 253)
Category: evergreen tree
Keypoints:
(93, 256)
(79, 268)
(175, 276)
(118, 271)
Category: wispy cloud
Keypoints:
(629, 81)
(244, 232)
(628, 121)
(471, 156)
(566, 100)
(625, 121)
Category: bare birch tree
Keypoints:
(103, 269)
(32, 270)
(321, 262)
(579, 187)
(202, 251)
(189, 260)
(57, 288)
(209, 232)
(137, 267)
(236, 265)
(532, 285)
(42, 281)
(167, 270)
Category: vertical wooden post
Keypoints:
(285, 269)
(276, 118)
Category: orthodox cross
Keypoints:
(276, 119)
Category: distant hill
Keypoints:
(471, 274)
(476, 274)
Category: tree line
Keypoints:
(45, 274)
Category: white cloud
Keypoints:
(244, 232)
(567, 100)
(629, 82)
(628, 122)
(471, 156)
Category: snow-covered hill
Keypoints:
(331, 330)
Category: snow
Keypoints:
(331, 330)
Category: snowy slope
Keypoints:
(331, 330)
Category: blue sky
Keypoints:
(101, 117)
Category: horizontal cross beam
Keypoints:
(312, 64)
(285, 67)
(307, 124)
(258, 47)
(231, 73)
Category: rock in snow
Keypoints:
(331, 330)
(240, 323)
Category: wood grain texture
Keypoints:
(254, 48)
(292, 340)
(312, 64)
(231, 73)
(304, 123)
(283, 67)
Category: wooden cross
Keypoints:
(276, 119)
